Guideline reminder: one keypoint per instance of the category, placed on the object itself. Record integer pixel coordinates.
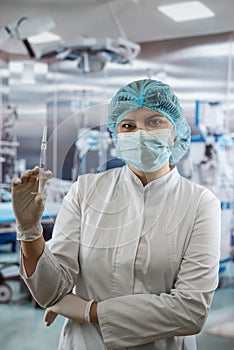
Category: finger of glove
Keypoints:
(48, 174)
(45, 177)
(49, 317)
(15, 181)
(25, 176)
(29, 175)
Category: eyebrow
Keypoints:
(127, 120)
(156, 115)
(147, 118)
(150, 116)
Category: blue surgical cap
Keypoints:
(157, 96)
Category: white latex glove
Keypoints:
(70, 306)
(28, 207)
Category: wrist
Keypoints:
(93, 313)
(29, 232)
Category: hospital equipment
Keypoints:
(8, 149)
(9, 271)
(91, 140)
(91, 54)
(7, 220)
(212, 157)
(23, 28)
(5, 289)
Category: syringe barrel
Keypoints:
(42, 158)
(43, 146)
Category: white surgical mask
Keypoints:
(146, 150)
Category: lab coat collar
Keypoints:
(170, 178)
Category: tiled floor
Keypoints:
(22, 326)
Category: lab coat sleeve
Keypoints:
(138, 319)
(58, 266)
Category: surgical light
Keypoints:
(42, 38)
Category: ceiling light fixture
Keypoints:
(186, 11)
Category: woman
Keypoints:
(134, 258)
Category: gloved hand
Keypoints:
(28, 207)
(70, 306)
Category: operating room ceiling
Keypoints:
(139, 20)
(199, 64)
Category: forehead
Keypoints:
(141, 114)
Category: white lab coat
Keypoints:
(149, 255)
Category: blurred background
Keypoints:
(60, 64)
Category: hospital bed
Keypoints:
(7, 221)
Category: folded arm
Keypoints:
(138, 319)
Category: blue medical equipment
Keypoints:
(6, 292)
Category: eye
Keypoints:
(126, 126)
(155, 122)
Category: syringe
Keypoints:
(42, 159)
